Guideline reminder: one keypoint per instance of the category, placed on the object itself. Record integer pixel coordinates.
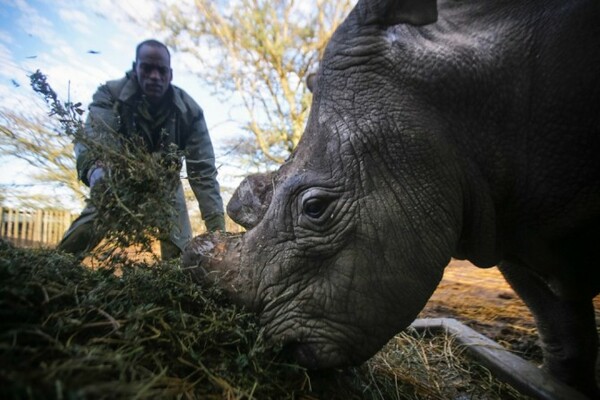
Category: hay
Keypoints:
(71, 332)
(438, 368)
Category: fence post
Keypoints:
(50, 220)
(45, 227)
(53, 229)
(37, 227)
(31, 227)
(11, 223)
(20, 224)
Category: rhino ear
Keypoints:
(394, 12)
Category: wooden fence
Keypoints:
(45, 228)
(35, 228)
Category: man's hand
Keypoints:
(95, 175)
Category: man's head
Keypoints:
(152, 69)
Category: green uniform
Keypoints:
(118, 106)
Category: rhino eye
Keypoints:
(315, 207)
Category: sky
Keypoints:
(78, 48)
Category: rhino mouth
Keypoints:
(305, 354)
(318, 349)
(317, 355)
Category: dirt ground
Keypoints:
(481, 299)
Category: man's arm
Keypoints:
(202, 174)
(99, 131)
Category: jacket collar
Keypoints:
(131, 89)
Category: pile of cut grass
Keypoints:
(72, 332)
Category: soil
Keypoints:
(481, 299)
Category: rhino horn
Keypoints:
(215, 258)
(394, 12)
(251, 199)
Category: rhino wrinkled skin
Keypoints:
(469, 131)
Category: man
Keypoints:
(146, 104)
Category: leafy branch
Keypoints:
(135, 199)
(68, 113)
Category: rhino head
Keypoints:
(347, 241)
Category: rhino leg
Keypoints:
(567, 329)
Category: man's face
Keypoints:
(153, 72)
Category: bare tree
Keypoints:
(37, 140)
(259, 53)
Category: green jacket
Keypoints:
(113, 109)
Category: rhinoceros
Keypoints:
(466, 129)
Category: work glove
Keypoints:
(95, 175)
(215, 222)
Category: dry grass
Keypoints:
(483, 300)
(73, 332)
